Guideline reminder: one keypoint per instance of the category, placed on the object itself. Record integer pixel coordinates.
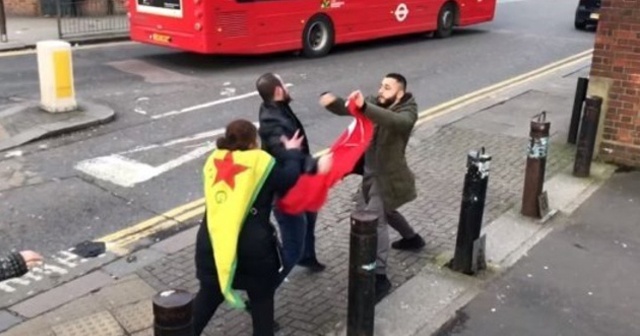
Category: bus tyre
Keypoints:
(446, 20)
(317, 37)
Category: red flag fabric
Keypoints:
(310, 192)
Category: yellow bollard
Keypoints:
(55, 68)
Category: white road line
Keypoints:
(125, 172)
(209, 104)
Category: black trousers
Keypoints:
(210, 297)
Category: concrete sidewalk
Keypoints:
(25, 32)
(580, 280)
(115, 299)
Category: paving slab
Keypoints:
(100, 324)
(135, 317)
(63, 294)
(26, 122)
(8, 320)
(132, 262)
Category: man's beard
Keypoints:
(385, 103)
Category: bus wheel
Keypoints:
(318, 37)
(446, 20)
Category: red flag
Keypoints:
(310, 192)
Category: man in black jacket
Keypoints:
(277, 120)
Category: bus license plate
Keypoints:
(161, 38)
(595, 16)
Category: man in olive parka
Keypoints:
(388, 182)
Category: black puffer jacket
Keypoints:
(277, 119)
(12, 266)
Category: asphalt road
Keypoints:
(580, 280)
(61, 204)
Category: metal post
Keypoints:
(173, 313)
(362, 265)
(3, 24)
(59, 18)
(469, 253)
(536, 166)
(581, 94)
(587, 140)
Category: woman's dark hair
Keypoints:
(240, 135)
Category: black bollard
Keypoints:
(536, 166)
(362, 280)
(581, 94)
(587, 140)
(173, 313)
(469, 253)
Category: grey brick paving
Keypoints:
(315, 304)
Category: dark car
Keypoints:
(587, 13)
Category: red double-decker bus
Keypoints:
(310, 26)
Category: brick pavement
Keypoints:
(316, 304)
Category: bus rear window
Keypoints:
(160, 7)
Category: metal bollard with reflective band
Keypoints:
(362, 267)
(469, 253)
(533, 203)
(173, 313)
(587, 140)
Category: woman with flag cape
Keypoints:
(237, 246)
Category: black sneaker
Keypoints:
(383, 286)
(312, 264)
(408, 244)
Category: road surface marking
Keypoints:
(467, 99)
(125, 172)
(209, 104)
(59, 264)
(126, 237)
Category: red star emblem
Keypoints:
(227, 170)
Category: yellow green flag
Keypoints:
(232, 181)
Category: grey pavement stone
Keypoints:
(423, 298)
(177, 242)
(30, 123)
(125, 291)
(132, 262)
(147, 332)
(61, 295)
(100, 324)
(8, 320)
(135, 317)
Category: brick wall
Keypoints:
(617, 59)
(22, 7)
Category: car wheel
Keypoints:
(580, 25)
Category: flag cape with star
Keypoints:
(232, 181)
(311, 191)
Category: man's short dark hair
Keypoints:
(399, 78)
(266, 86)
